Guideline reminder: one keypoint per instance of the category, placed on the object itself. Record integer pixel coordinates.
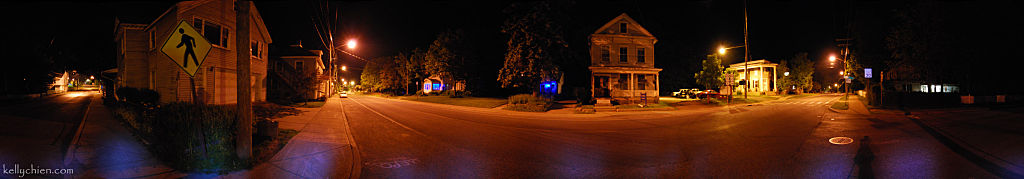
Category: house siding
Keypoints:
(215, 80)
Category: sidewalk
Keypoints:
(994, 138)
(322, 149)
(105, 149)
(855, 106)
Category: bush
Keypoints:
(137, 96)
(456, 94)
(528, 103)
(266, 111)
(199, 138)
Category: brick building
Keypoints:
(140, 63)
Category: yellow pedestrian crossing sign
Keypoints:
(186, 47)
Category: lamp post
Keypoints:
(746, 73)
(832, 59)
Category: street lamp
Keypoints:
(785, 73)
(746, 72)
(344, 68)
(351, 44)
(840, 73)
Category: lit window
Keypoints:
(924, 88)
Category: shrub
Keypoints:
(124, 93)
(456, 94)
(137, 96)
(194, 137)
(265, 110)
(528, 102)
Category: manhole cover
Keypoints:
(840, 140)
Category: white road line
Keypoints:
(389, 118)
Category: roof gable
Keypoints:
(633, 28)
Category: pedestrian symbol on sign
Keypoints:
(189, 43)
(185, 44)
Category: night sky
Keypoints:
(687, 30)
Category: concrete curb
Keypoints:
(70, 150)
(970, 153)
(357, 161)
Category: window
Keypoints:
(605, 55)
(298, 67)
(224, 38)
(623, 54)
(256, 50)
(641, 82)
(640, 55)
(622, 28)
(214, 33)
(623, 82)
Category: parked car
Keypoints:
(707, 94)
(686, 93)
(343, 94)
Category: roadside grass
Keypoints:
(840, 105)
(266, 148)
(801, 95)
(670, 99)
(586, 109)
(661, 104)
(480, 102)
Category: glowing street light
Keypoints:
(721, 50)
(786, 73)
(840, 73)
(344, 68)
(832, 58)
(351, 44)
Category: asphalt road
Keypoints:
(36, 131)
(787, 139)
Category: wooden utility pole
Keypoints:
(746, 54)
(243, 144)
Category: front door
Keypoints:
(601, 87)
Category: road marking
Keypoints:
(394, 162)
(388, 118)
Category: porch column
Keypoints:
(632, 89)
(775, 81)
(657, 83)
(593, 84)
(760, 79)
